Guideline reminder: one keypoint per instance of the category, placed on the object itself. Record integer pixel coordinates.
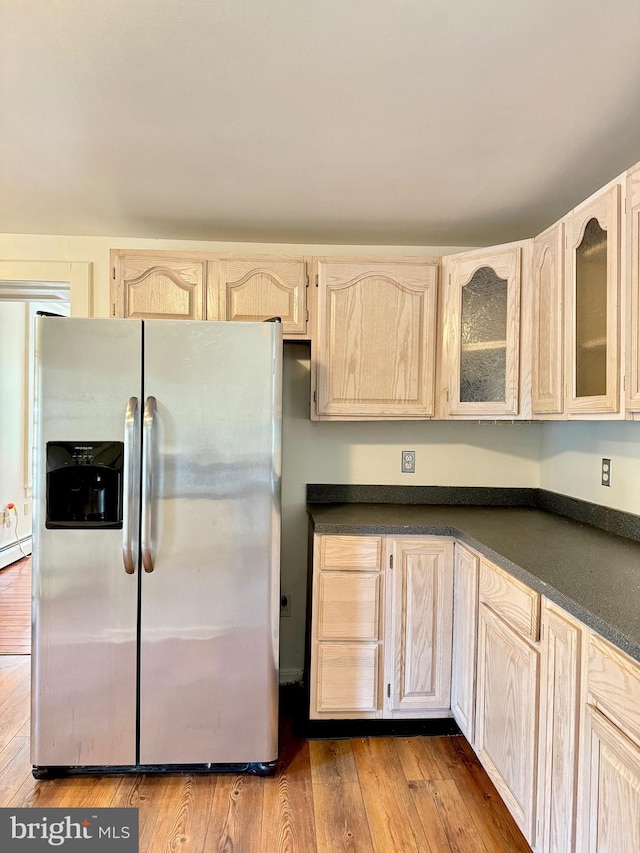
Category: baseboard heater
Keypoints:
(10, 552)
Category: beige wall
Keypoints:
(571, 456)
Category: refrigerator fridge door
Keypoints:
(88, 381)
(210, 542)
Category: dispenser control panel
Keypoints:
(84, 484)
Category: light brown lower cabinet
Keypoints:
(560, 712)
(609, 801)
(419, 647)
(465, 639)
(381, 627)
(507, 715)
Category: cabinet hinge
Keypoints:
(388, 691)
(307, 276)
(307, 315)
(317, 279)
(114, 273)
(314, 397)
(391, 561)
(113, 309)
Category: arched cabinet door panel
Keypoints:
(258, 288)
(157, 287)
(376, 342)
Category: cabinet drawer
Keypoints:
(347, 677)
(516, 603)
(614, 685)
(348, 605)
(355, 553)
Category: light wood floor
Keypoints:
(388, 795)
(15, 608)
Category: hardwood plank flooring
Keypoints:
(15, 608)
(361, 795)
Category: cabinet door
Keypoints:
(611, 807)
(465, 632)
(420, 642)
(593, 245)
(548, 315)
(481, 355)
(346, 628)
(633, 349)
(376, 339)
(151, 287)
(256, 289)
(507, 716)
(559, 727)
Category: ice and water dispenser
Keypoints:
(84, 484)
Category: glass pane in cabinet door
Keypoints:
(591, 312)
(483, 338)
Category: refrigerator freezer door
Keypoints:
(84, 602)
(209, 607)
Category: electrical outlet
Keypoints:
(25, 509)
(285, 604)
(3, 516)
(408, 462)
(606, 472)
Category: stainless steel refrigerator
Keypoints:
(157, 545)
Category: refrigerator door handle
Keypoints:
(129, 485)
(147, 456)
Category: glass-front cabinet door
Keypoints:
(481, 349)
(593, 245)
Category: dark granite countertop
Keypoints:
(592, 574)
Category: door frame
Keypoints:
(78, 275)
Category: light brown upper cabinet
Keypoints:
(180, 286)
(593, 296)
(375, 355)
(484, 373)
(547, 278)
(157, 286)
(633, 256)
(259, 288)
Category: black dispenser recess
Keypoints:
(84, 484)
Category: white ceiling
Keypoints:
(415, 122)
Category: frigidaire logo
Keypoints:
(30, 830)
